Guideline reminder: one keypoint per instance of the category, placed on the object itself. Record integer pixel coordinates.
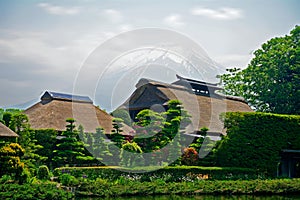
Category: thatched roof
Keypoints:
(6, 132)
(200, 100)
(52, 113)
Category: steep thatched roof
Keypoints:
(6, 132)
(53, 112)
(200, 100)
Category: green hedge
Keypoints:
(33, 191)
(125, 187)
(255, 140)
(169, 174)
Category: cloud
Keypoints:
(224, 13)
(234, 60)
(174, 20)
(113, 15)
(125, 27)
(39, 61)
(59, 10)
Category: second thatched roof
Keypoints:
(198, 98)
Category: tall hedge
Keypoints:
(169, 174)
(256, 140)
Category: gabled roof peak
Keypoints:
(214, 85)
(49, 95)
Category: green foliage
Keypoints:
(70, 150)
(97, 144)
(6, 115)
(101, 145)
(122, 114)
(68, 180)
(1, 113)
(10, 161)
(19, 123)
(157, 130)
(43, 173)
(25, 176)
(131, 187)
(131, 154)
(116, 136)
(47, 139)
(33, 191)
(6, 118)
(169, 174)
(255, 140)
(271, 82)
(117, 125)
(148, 130)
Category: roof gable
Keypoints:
(49, 96)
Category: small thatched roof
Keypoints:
(52, 113)
(198, 98)
(6, 132)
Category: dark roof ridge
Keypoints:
(144, 81)
(196, 81)
(66, 97)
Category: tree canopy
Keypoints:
(271, 82)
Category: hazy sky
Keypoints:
(43, 44)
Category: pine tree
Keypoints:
(100, 146)
(70, 150)
(117, 138)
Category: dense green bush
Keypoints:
(10, 161)
(255, 140)
(33, 191)
(129, 187)
(68, 180)
(169, 174)
(43, 173)
(47, 139)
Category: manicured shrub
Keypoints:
(128, 187)
(168, 174)
(68, 180)
(43, 173)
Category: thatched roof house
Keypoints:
(54, 108)
(200, 99)
(5, 132)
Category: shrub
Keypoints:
(24, 177)
(5, 178)
(190, 156)
(68, 180)
(33, 191)
(177, 173)
(43, 173)
(10, 161)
